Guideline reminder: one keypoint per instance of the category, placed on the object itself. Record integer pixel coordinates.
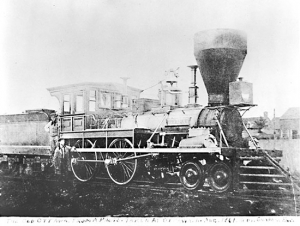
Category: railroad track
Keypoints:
(280, 195)
(170, 190)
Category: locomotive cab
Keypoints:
(87, 105)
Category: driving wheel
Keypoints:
(84, 170)
(192, 175)
(121, 166)
(220, 177)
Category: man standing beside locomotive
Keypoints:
(58, 150)
(61, 158)
(52, 129)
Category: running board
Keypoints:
(265, 183)
(262, 175)
(257, 158)
(257, 167)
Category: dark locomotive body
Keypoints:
(198, 144)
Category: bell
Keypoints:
(171, 79)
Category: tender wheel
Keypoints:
(121, 170)
(220, 177)
(84, 171)
(192, 175)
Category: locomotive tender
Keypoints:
(196, 143)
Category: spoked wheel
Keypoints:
(84, 171)
(121, 166)
(192, 175)
(220, 177)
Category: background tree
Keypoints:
(261, 123)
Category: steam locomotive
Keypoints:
(197, 144)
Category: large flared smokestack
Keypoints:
(220, 55)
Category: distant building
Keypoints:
(275, 127)
(285, 127)
(290, 124)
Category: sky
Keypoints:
(46, 43)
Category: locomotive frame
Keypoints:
(134, 144)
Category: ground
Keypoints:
(56, 198)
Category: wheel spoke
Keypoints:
(101, 156)
(125, 172)
(131, 163)
(87, 171)
(90, 168)
(127, 167)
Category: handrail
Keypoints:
(222, 133)
(274, 163)
(164, 118)
(252, 139)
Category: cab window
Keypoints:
(67, 105)
(92, 100)
(79, 103)
(105, 100)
